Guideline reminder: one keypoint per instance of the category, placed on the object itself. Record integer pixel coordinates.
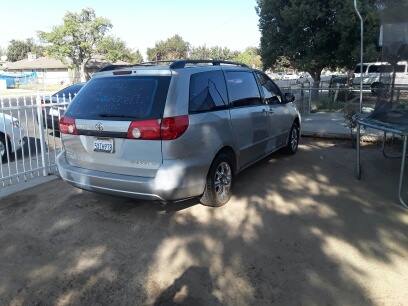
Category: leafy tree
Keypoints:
(172, 48)
(216, 52)
(114, 49)
(250, 56)
(136, 57)
(223, 53)
(314, 35)
(78, 39)
(18, 49)
(200, 52)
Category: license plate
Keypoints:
(103, 145)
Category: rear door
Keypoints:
(248, 116)
(103, 111)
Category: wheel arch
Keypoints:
(231, 152)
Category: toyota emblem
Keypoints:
(99, 127)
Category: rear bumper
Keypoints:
(170, 183)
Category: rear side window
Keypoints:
(385, 68)
(208, 92)
(243, 89)
(357, 70)
(121, 98)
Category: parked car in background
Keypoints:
(53, 113)
(171, 131)
(379, 75)
(10, 140)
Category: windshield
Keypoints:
(121, 98)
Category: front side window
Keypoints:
(207, 92)
(270, 91)
(243, 89)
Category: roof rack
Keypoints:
(173, 64)
(177, 64)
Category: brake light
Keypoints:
(173, 127)
(67, 126)
(165, 129)
(145, 129)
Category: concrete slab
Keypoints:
(331, 125)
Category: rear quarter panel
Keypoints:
(195, 150)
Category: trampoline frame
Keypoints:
(386, 128)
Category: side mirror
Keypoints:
(289, 97)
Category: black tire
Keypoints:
(213, 195)
(3, 148)
(293, 140)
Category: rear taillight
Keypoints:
(145, 129)
(165, 129)
(67, 126)
(173, 127)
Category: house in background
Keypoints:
(3, 60)
(53, 71)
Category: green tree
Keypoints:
(172, 48)
(200, 52)
(114, 49)
(223, 53)
(216, 52)
(250, 56)
(77, 39)
(136, 57)
(314, 35)
(18, 49)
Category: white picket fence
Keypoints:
(30, 133)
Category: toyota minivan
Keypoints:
(174, 130)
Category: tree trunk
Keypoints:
(316, 84)
(84, 73)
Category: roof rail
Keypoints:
(177, 64)
(174, 64)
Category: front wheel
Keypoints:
(293, 140)
(219, 182)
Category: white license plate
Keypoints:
(103, 145)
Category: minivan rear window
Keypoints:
(121, 98)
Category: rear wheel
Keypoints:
(293, 140)
(3, 148)
(219, 182)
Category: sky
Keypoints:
(229, 23)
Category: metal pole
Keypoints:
(358, 166)
(41, 132)
(401, 180)
(361, 53)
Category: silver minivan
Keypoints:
(174, 130)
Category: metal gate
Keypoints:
(29, 136)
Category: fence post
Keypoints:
(302, 97)
(41, 132)
(310, 99)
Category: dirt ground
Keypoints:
(299, 230)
